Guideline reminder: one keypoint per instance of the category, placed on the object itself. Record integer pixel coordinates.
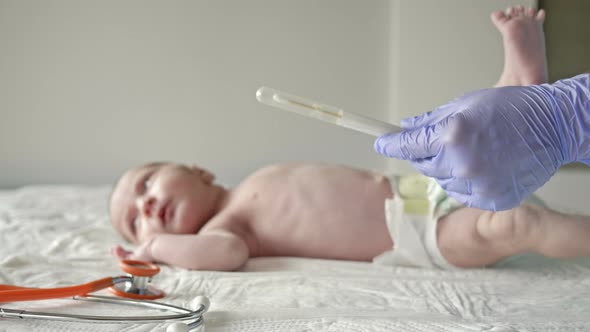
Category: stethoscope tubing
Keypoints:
(181, 313)
(137, 294)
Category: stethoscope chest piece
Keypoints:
(127, 290)
(141, 274)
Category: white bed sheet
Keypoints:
(55, 236)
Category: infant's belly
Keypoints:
(315, 232)
(318, 211)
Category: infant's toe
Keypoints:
(509, 12)
(498, 17)
(530, 12)
(540, 15)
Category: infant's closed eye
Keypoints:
(147, 183)
(134, 225)
(144, 183)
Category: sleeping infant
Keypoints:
(178, 215)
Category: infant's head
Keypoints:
(163, 198)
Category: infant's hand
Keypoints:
(120, 252)
(142, 253)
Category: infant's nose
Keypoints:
(146, 206)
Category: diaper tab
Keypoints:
(420, 194)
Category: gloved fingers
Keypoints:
(461, 186)
(428, 118)
(450, 162)
(465, 200)
(431, 167)
(421, 143)
(481, 202)
(417, 121)
(390, 145)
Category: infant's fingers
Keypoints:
(114, 250)
(134, 256)
(119, 252)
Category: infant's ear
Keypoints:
(207, 176)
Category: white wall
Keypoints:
(89, 88)
(568, 191)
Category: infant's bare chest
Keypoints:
(298, 205)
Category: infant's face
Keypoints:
(162, 198)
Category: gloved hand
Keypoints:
(492, 148)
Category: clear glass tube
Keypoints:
(324, 112)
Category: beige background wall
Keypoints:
(89, 88)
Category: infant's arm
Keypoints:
(218, 249)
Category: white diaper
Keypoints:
(418, 203)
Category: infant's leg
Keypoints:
(563, 235)
(465, 237)
(475, 238)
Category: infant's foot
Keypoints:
(525, 62)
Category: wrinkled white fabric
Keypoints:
(56, 236)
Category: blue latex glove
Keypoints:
(492, 148)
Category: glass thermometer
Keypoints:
(324, 112)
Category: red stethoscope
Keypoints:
(132, 289)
